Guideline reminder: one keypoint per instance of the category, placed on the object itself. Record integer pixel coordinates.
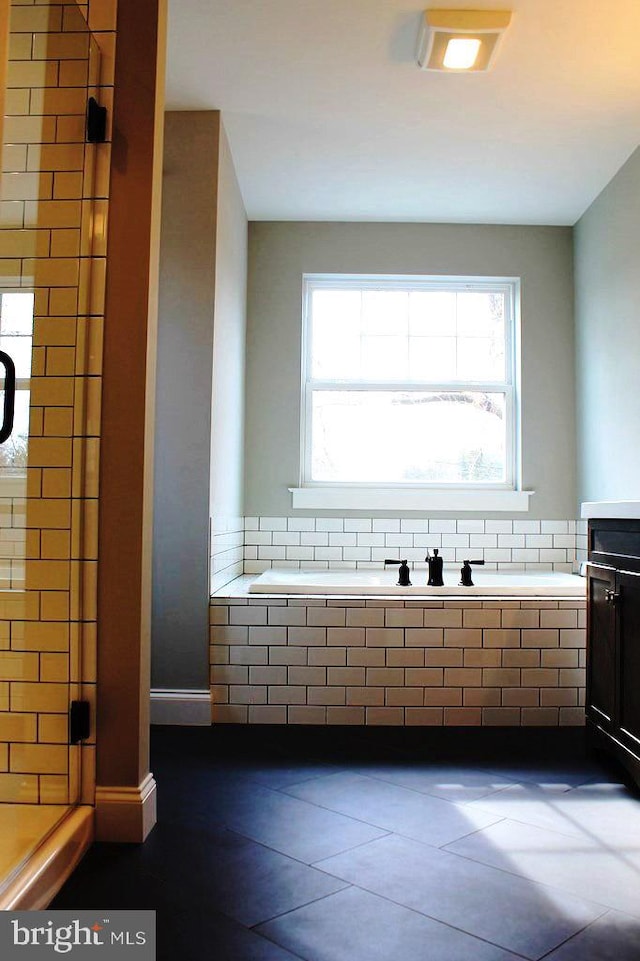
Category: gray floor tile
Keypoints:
(516, 914)
(393, 808)
(294, 827)
(585, 868)
(452, 783)
(614, 937)
(354, 925)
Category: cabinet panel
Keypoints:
(601, 659)
(629, 654)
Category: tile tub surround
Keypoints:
(320, 660)
(353, 542)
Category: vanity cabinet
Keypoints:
(613, 640)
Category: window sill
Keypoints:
(407, 499)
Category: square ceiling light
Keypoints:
(460, 41)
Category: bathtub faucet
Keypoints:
(403, 573)
(465, 573)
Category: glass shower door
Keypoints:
(49, 346)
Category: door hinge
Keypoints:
(79, 721)
(96, 122)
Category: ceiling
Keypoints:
(329, 117)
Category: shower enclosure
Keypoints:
(52, 234)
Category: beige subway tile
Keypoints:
(265, 636)
(443, 618)
(219, 654)
(560, 657)
(67, 185)
(539, 677)
(71, 129)
(286, 616)
(308, 636)
(37, 74)
(54, 789)
(519, 618)
(463, 716)
(391, 716)
(53, 729)
(565, 619)
(345, 636)
(345, 715)
(11, 214)
(373, 696)
(51, 514)
(404, 697)
(326, 695)
(51, 392)
(500, 677)
(219, 693)
(501, 638)
(463, 637)
(424, 637)
(14, 160)
(38, 758)
(315, 676)
(4, 696)
(385, 676)
(582, 619)
(424, 676)
(55, 156)
(328, 656)
(58, 422)
(412, 657)
(287, 695)
(29, 187)
(482, 658)
(481, 618)
(443, 697)
(52, 214)
(231, 674)
(24, 243)
(36, 19)
(89, 348)
(540, 638)
(540, 716)
(346, 675)
(520, 697)
(403, 618)
(558, 697)
(54, 667)
(218, 615)
(481, 697)
(571, 716)
(326, 617)
(102, 15)
(424, 716)
(501, 716)
(63, 301)
(248, 615)
(17, 101)
(367, 657)
(226, 634)
(463, 677)
(520, 658)
(306, 714)
(229, 713)
(539, 605)
(19, 46)
(573, 638)
(365, 617)
(19, 788)
(384, 637)
(288, 655)
(248, 694)
(57, 101)
(15, 666)
(61, 46)
(572, 677)
(18, 727)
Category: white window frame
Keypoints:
(371, 495)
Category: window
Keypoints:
(410, 382)
(16, 333)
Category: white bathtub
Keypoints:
(492, 583)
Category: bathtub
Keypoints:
(486, 583)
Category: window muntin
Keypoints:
(409, 382)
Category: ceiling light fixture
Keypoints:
(460, 40)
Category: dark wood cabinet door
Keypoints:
(601, 653)
(628, 609)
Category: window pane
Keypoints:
(481, 336)
(432, 358)
(385, 358)
(335, 334)
(16, 313)
(432, 313)
(408, 437)
(19, 349)
(13, 453)
(385, 312)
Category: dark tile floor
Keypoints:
(378, 845)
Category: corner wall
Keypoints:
(607, 281)
(200, 405)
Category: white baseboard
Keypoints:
(181, 707)
(126, 814)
